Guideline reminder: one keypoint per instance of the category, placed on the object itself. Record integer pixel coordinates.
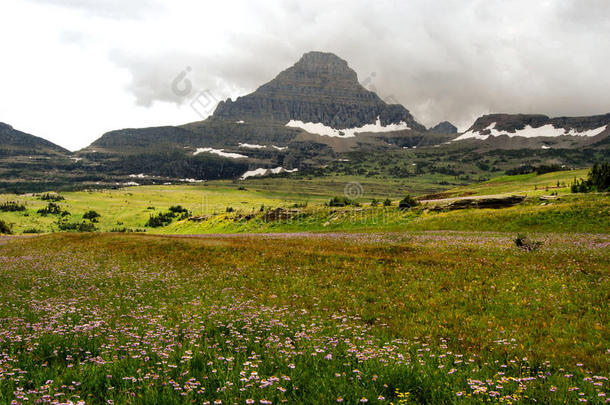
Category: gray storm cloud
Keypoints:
(443, 60)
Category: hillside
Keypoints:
(538, 131)
(17, 143)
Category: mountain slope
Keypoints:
(560, 131)
(267, 126)
(14, 142)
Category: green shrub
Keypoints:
(599, 176)
(5, 228)
(51, 208)
(407, 202)
(387, 202)
(598, 180)
(342, 202)
(32, 230)
(77, 226)
(161, 219)
(11, 206)
(523, 242)
(51, 197)
(91, 216)
(177, 209)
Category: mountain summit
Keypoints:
(319, 88)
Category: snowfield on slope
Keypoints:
(219, 152)
(320, 129)
(547, 130)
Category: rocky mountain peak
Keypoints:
(445, 128)
(323, 63)
(319, 88)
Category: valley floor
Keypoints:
(297, 205)
(403, 317)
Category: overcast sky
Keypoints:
(74, 69)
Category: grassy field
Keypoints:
(130, 208)
(421, 317)
(530, 184)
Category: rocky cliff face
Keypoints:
(319, 88)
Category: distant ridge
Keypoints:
(537, 126)
(16, 142)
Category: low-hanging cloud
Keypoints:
(443, 60)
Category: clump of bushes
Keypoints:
(77, 226)
(5, 228)
(598, 180)
(32, 230)
(387, 202)
(50, 209)
(525, 243)
(342, 202)
(180, 211)
(51, 197)
(161, 219)
(91, 216)
(407, 202)
(166, 218)
(11, 206)
(127, 230)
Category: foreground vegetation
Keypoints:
(420, 317)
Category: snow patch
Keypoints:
(219, 152)
(240, 122)
(138, 176)
(547, 130)
(191, 180)
(279, 147)
(131, 183)
(545, 147)
(75, 159)
(251, 146)
(320, 129)
(264, 172)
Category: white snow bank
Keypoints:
(279, 147)
(251, 146)
(320, 129)
(264, 172)
(547, 130)
(219, 152)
